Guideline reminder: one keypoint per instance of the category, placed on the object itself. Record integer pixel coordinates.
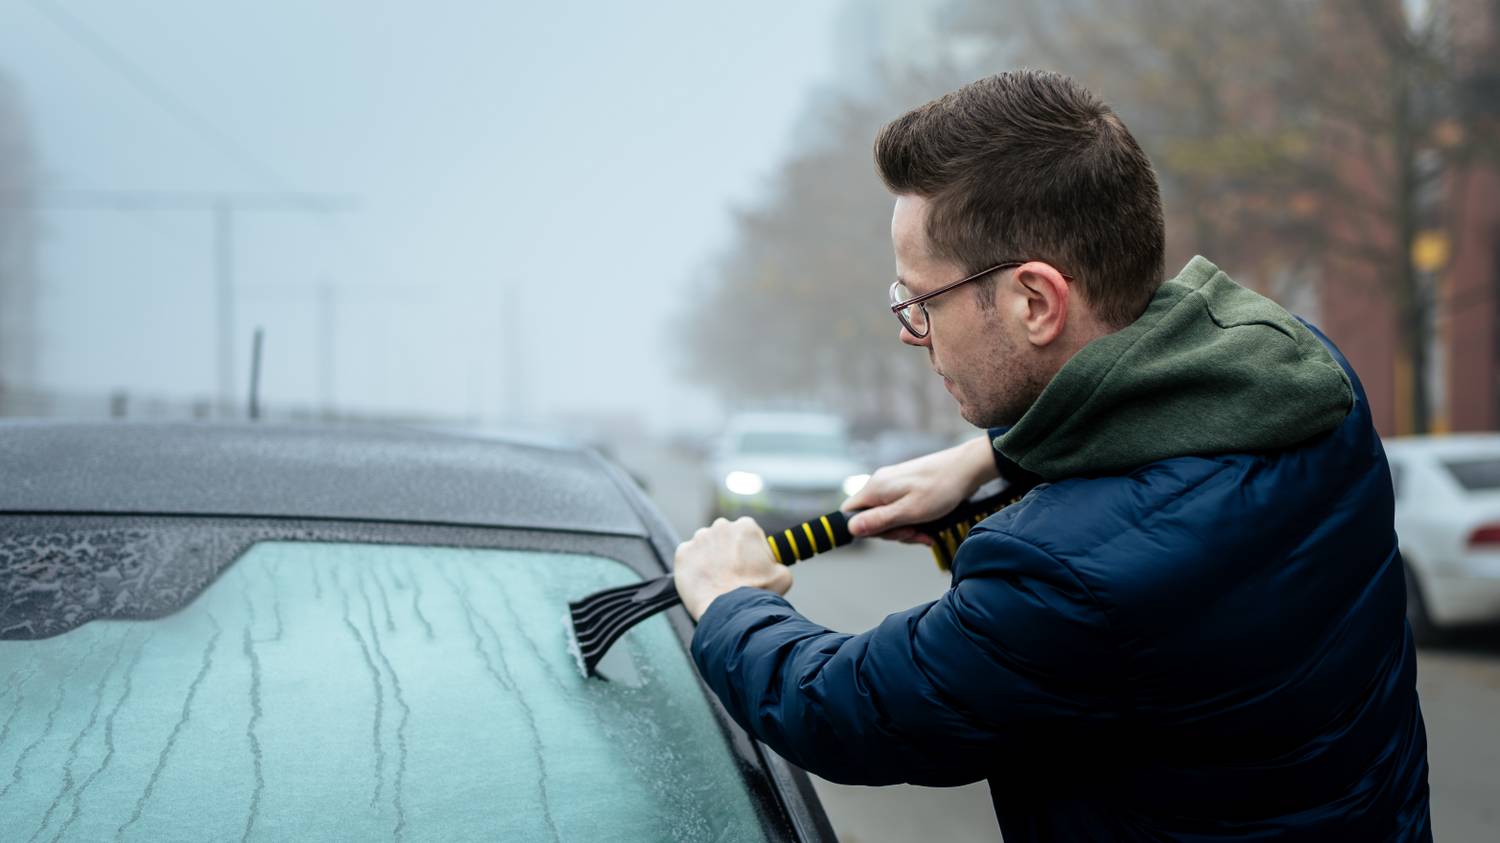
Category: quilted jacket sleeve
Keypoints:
(942, 694)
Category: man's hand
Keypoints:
(722, 557)
(920, 490)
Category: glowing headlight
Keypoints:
(854, 482)
(743, 483)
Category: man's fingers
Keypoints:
(874, 522)
(905, 535)
(864, 524)
(877, 491)
(863, 499)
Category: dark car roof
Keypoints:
(312, 471)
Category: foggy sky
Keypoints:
(562, 170)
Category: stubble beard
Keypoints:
(1004, 408)
(1007, 389)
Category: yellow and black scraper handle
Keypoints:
(810, 538)
(598, 620)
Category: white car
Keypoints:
(1448, 524)
(782, 468)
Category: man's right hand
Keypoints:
(920, 490)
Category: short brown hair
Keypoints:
(1028, 164)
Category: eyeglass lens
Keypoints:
(913, 316)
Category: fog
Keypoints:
(624, 222)
(639, 218)
(522, 194)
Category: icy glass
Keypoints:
(363, 692)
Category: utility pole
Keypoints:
(223, 208)
(511, 364)
(255, 353)
(326, 326)
(224, 299)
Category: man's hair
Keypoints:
(1029, 165)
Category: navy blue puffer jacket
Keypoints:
(1198, 647)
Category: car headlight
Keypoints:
(854, 482)
(743, 482)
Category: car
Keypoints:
(781, 468)
(1448, 524)
(239, 631)
(895, 446)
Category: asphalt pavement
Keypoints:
(854, 589)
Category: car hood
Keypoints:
(794, 472)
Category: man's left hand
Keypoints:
(722, 557)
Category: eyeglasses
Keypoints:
(913, 312)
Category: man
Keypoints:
(1193, 628)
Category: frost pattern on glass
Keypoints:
(51, 582)
(362, 692)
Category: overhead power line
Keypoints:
(178, 200)
(222, 208)
(83, 36)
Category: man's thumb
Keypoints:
(869, 522)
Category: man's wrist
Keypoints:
(979, 458)
(700, 602)
(734, 598)
(697, 597)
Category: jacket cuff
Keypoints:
(726, 605)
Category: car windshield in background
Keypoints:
(355, 692)
(1475, 475)
(793, 444)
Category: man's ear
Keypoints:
(1047, 297)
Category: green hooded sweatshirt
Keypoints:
(1209, 368)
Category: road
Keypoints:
(854, 589)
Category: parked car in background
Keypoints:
(231, 632)
(893, 446)
(781, 468)
(1448, 522)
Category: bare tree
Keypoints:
(1289, 134)
(796, 307)
(1294, 139)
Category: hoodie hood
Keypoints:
(1209, 368)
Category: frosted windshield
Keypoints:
(362, 692)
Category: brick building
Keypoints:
(1469, 317)
(1458, 252)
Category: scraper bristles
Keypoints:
(598, 620)
(945, 541)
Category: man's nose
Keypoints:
(912, 339)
